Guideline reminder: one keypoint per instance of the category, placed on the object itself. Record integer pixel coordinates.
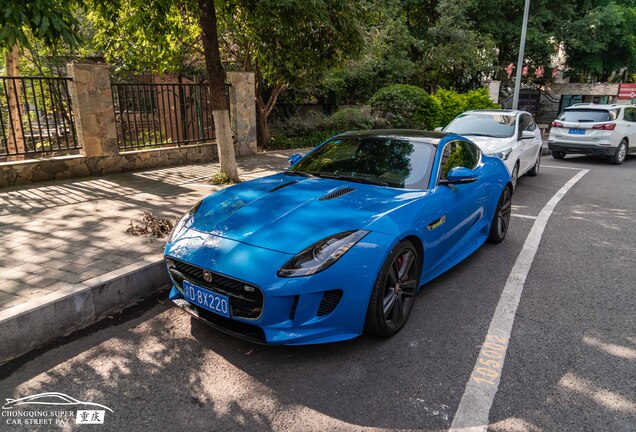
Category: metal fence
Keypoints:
(162, 115)
(36, 117)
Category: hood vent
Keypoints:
(274, 189)
(337, 193)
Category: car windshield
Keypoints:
(587, 115)
(483, 124)
(385, 161)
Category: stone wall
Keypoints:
(65, 167)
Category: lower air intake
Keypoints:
(330, 300)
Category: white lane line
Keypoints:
(522, 216)
(561, 167)
(474, 407)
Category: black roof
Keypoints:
(429, 137)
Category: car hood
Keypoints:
(288, 214)
(491, 145)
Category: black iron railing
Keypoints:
(162, 115)
(36, 117)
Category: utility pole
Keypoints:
(522, 48)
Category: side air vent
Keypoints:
(330, 300)
(274, 189)
(292, 312)
(337, 193)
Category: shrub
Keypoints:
(401, 105)
(452, 103)
(313, 128)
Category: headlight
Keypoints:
(503, 155)
(183, 221)
(321, 255)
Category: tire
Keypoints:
(558, 154)
(501, 219)
(621, 153)
(395, 291)
(514, 177)
(537, 165)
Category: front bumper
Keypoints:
(326, 307)
(588, 149)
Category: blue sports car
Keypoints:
(341, 241)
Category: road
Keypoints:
(570, 362)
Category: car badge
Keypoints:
(207, 276)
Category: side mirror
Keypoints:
(438, 129)
(294, 158)
(459, 175)
(527, 135)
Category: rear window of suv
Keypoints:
(588, 115)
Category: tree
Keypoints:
(288, 43)
(47, 21)
(460, 56)
(216, 79)
(153, 29)
(601, 41)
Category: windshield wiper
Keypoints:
(298, 173)
(353, 179)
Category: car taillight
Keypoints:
(605, 126)
(557, 124)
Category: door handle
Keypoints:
(436, 224)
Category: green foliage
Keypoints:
(313, 128)
(452, 103)
(411, 107)
(50, 21)
(459, 56)
(163, 36)
(290, 42)
(402, 105)
(221, 178)
(601, 41)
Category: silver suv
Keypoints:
(603, 130)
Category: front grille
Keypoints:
(233, 327)
(330, 300)
(243, 303)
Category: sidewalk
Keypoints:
(69, 233)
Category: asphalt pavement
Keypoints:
(570, 363)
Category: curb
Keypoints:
(35, 323)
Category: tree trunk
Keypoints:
(263, 110)
(16, 137)
(218, 95)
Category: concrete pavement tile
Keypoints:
(7, 299)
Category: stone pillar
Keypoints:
(243, 111)
(92, 100)
(493, 90)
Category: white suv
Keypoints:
(603, 130)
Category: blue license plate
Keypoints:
(214, 302)
(573, 131)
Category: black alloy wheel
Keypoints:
(501, 220)
(558, 154)
(394, 291)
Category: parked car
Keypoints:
(335, 244)
(511, 135)
(594, 129)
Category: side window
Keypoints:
(526, 123)
(630, 115)
(458, 154)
